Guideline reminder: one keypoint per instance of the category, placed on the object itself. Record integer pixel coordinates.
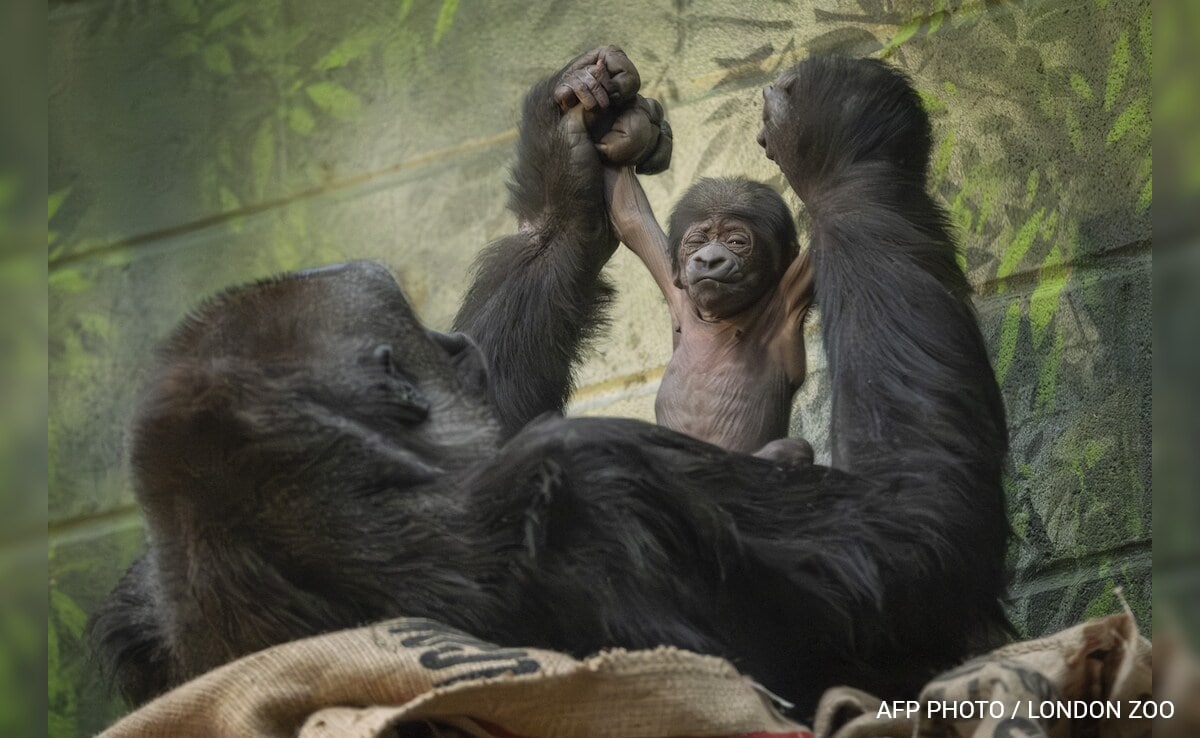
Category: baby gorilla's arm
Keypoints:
(636, 226)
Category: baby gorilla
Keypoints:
(736, 290)
(738, 294)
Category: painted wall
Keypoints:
(196, 144)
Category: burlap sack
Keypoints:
(1176, 680)
(1101, 665)
(415, 677)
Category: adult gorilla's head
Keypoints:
(289, 457)
(335, 352)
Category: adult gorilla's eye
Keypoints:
(383, 357)
(408, 403)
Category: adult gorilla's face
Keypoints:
(341, 344)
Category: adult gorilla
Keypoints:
(309, 457)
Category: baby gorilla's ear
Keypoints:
(640, 136)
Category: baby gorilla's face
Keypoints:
(723, 266)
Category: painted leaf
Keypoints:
(1081, 86)
(1146, 197)
(227, 16)
(1031, 186)
(1074, 131)
(69, 614)
(404, 9)
(97, 326)
(228, 200)
(1136, 118)
(300, 120)
(217, 58)
(1020, 244)
(55, 201)
(292, 38)
(445, 19)
(263, 156)
(1047, 388)
(941, 160)
(936, 20)
(183, 45)
(1118, 71)
(349, 49)
(845, 40)
(334, 99)
(931, 102)
(67, 281)
(1145, 37)
(1010, 329)
(905, 32)
(184, 10)
(1043, 305)
(56, 686)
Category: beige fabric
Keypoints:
(1177, 680)
(414, 677)
(366, 682)
(1102, 660)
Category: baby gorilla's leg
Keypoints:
(787, 452)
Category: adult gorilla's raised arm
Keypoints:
(538, 295)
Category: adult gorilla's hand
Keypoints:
(600, 79)
(599, 90)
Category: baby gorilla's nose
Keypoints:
(713, 261)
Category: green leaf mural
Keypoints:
(252, 132)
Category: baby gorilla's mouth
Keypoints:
(726, 279)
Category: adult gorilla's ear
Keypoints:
(467, 359)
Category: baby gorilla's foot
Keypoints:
(787, 452)
(639, 136)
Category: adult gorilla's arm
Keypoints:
(538, 295)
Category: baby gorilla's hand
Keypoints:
(639, 135)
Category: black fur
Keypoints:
(541, 290)
(294, 482)
(915, 401)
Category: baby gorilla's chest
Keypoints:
(734, 396)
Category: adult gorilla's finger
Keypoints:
(564, 92)
(625, 80)
(585, 86)
(574, 128)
